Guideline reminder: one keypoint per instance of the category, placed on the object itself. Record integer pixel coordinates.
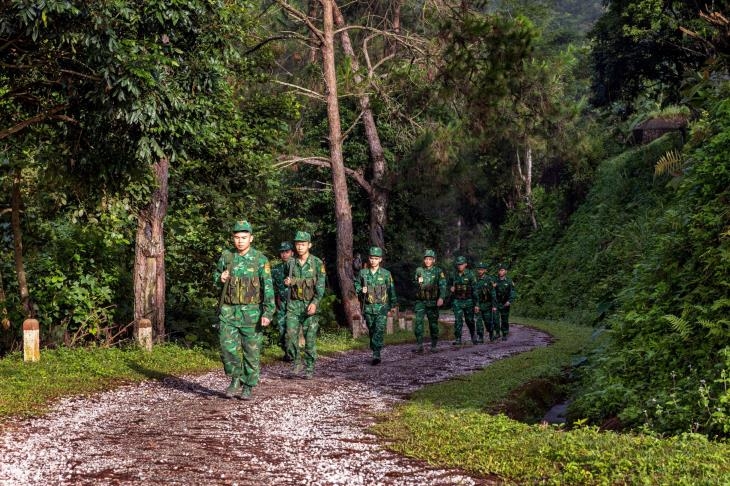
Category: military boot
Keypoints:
(434, 342)
(418, 349)
(296, 369)
(245, 393)
(234, 388)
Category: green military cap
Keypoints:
(482, 265)
(376, 251)
(285, 246)
(501, 266)
(460, 260)
(240, 226)
(429, 253)
(302, 236)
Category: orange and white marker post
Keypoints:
(31, 340)
(144, 334)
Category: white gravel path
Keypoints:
(294, 432)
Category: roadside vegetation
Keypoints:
(453, 424)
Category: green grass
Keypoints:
(446, 425)
(27, 389)
(485, 388)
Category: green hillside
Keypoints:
(646, 260)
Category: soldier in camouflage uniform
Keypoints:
(305, 278)
(484, 302)
(462, 289)
(505, 294)
(375, 285)
(278, 274)
(247, 303)
(430, 284)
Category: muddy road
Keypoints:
(182, 430)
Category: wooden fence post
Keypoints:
(144, 334)
(31, 340)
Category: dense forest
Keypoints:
(583, 143)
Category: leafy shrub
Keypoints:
(671, 334)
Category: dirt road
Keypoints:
(294, 432)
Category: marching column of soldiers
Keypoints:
(253, 295)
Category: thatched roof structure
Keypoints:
(654, 128)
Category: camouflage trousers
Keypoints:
(240, 339)
(281, 324)
(463, 311)
(485, 319)
(502, 314)
(297, 320)
(376, 316)
(426, 309)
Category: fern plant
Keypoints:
(679, 325)
(671, 163)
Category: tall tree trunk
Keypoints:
(149, 257)
(525, 176)
(15, 204)
(4, 321)
(343, 211)
(379, 195)
(395, 25)
(312, 13)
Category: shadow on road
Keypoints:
(175, 382)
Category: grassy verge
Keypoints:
(28, 388)
(446, 425)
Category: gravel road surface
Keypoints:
(183, 431)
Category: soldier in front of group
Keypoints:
(305, 279)
(484, 302)
(462, 290)
(376, 286)
(278, 274)
(505, 294)
(246, 305)
(430, 284)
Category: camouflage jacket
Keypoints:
(433, 286)
(250, 281)
(463, 284)
(308, 279)
(381, 289)
(484, 293)
(504, 290)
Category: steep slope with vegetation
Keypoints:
(579, 278)
(646, 260)
(668, 365)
